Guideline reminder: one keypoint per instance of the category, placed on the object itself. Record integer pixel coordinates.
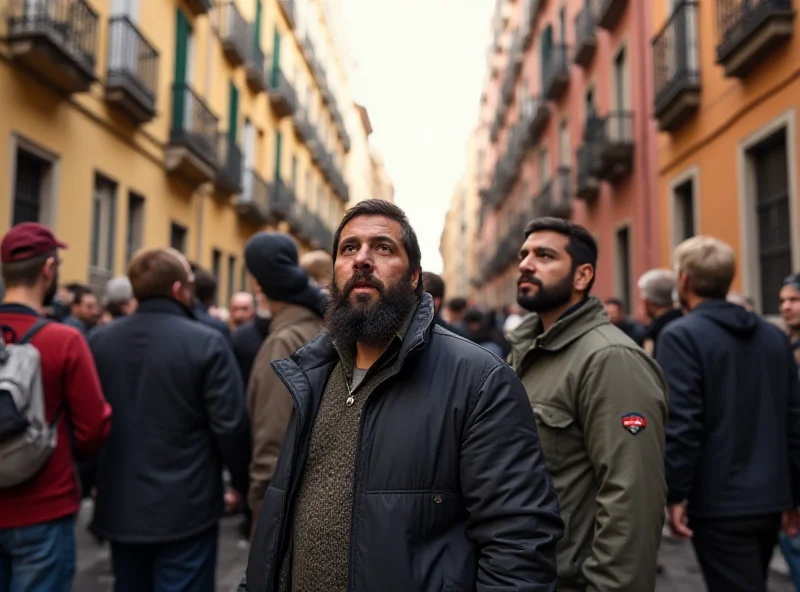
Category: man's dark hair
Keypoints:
(616, 302)
(433, 284)
(457, 304)
(475, 316)
(26, 272)
(153, 273)
(205, 285)
(582, 248)
(379, 207)
(79, 291)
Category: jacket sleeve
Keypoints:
(270, 406)
(513, 510)
(86, 407)
(794, 426)
(628, 467)
(224, 401)
(679, 360)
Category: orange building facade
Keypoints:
(565, 131)
(727, 91)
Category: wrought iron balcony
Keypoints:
(749, 30)
(495, 130)
(339, 185)
(585, 35)
(587, 186)
(287, 7)
(255, 199)
(302, 128)
(283, 200)
(281, 94)
(613, 137)
(537, 114)
(610, 12)
(198, 7)
(233, 33)
(555, 197)
(57, 39)
(300, 221)
(229, 174)
(676, 68)
(555, 72)
(309, 53)
(192, 149)
(322, 237)
(132, 70)
(254, 64)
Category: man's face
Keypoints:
(51, 276)
(87, 310)
(615, 313)
(546, 278)
(242, 309)
(790, 307)
(373, 286)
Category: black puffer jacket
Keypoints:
(451, 491)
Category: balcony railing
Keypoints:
(233, 32)
(613, 137)
(132, 70)
(610, 13)
(555, 198)
(254, 201)
(194, 127)
(677, 68)
(283, 200)
(587, 184)
(281, 94)
(255, 62)
(198, 7)
(57, 39)
(537, 113)
(555, 72)
(229, 173)
(287, 7)
(585, 35)
(302, 128)
(749, 30)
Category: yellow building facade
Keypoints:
(127, 124)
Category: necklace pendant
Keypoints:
(350, 401)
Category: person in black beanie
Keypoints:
(297, 307)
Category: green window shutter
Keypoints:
(257, 24)
(278, 154)
(182, 32)
(276, 56)
(233, 113)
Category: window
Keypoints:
(243, 283)
(231, 276)
(103, 218)
(294, 173)
(308, 190)
(216, 264)
(28, 185)
(177, 237)
(135, 230)
(623, 267)
(621, 81)
(278, 154)
(544, 167)
(563, 144)
(683, 196)
(773, 218)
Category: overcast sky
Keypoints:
(419, 69)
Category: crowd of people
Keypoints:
(376, 436)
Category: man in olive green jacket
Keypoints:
(600, 404)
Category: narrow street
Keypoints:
(681, 573)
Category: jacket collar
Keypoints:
(164, 305)
(579, 321)
(292, 314)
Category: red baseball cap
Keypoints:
(27, 240)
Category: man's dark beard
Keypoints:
(545, 299)
(50, 294)
(365, 321)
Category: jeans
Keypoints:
(38, 558)
(189, 565)
(791, 553)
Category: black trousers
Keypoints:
(734, 553)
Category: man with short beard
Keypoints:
(411, 462)
(600, 406)
(37, 517)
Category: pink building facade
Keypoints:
(567, 131)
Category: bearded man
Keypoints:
(411, 461)
(600, 406)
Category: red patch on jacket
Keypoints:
(634, 422)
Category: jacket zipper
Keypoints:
(356, 470)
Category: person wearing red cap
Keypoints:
(37, 517)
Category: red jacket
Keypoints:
(70, 379)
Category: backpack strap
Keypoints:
(37, 326)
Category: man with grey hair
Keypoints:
(119, 297)
(656, 289)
